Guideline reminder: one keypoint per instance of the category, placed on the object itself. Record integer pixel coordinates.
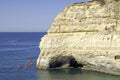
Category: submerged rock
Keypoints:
(85, 35)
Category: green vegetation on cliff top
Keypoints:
(103, 1)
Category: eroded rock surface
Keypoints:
(85, 35)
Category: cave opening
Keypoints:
(73, 63)
(55, 64)
(61, 61)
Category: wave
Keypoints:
(17, 49)
(12, 41)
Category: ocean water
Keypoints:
(16, 48)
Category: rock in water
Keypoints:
(85, 35)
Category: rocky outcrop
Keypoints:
(85, 35)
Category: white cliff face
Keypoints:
(85, 35)
(87, 17)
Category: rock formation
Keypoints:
(85, 35)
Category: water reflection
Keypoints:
(73, 74)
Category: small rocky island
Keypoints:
(84, 35)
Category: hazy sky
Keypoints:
(30, 15)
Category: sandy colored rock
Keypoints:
(85, 35)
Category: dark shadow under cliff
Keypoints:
(67, 61)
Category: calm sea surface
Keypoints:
(16, 48)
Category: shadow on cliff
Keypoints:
(64, 62)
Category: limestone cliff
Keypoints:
(85, 35)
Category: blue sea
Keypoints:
(17, 49)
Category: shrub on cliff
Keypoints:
(103, 1)
(117, 0)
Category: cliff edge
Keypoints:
(84, 35)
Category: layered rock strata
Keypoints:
(85, 35)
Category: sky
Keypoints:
(30, 15)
